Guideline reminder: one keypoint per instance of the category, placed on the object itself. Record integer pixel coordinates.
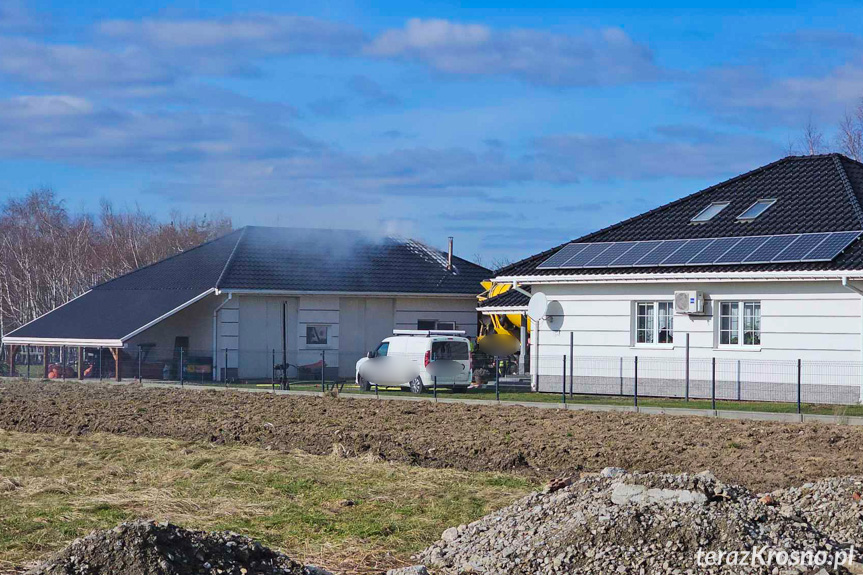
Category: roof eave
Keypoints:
(58, 341)
(832, 275)
(246, 291)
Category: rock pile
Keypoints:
(148, 548)
(646, 524)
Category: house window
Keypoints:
(654, 322)
(740, 323)
(755, 210)
(433, 324)
(316, 334)
(709, 212)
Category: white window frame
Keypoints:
(741, 325)
(768, 201)
(695, 219)
(655, 329)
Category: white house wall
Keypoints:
(815, 322)
(462, 311)
(355, 325)
(194, 322)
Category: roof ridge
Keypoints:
(849, 189)
(231, 257)
(176, 255)
(706, 190)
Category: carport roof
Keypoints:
(252, 259)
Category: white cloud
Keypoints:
(672, 152)
(748, 95)
(596, 57)
(259, 33)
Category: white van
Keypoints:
(423, 347)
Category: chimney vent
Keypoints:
(449, 256)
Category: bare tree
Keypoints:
(813, 139)
(849, 139)
(49, 255)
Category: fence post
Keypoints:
(180, 368)
(63, 360)
(273, 376)
(225, 369)
(563, 381)
(139, 365)
(496, 379)
(323, 369)
(799, 386)
(687, 366)
(434, 383)
(713, 383)
(571, 361)
(739, 384)
(100, 363)
(621, 376)
(635, 383)
(27, 350)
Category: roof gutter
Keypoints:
(682, 277)
(57, 341)
(242, 291)
(502, 309)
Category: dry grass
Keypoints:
(349, 515)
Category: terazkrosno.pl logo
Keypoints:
(764, 556)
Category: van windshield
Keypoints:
(452, 350)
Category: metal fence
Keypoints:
(697, 378)
(715, 379)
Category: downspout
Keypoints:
(216, 335)
(847, 285)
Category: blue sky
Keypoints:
(512, 126)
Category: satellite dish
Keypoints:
(537, 306)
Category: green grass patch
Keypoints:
(350, 515)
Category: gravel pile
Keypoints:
(148, 548)
(834, 506)
(620, 523)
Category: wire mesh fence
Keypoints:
(714, 379)
(567, 375)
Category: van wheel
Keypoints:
(417, 385)
(364, 385)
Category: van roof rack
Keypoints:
(428, 332)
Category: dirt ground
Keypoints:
(537, 442)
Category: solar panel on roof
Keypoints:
(743, 248)
(605, 258)
(769, 249)
(656, 257)
(687, 252)
(718, 247)
(637, 252)
(800, 247)
(820, 246)
(832, 246)
(561, 256)
(584, 256)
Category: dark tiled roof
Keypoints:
(813, 193)
(509, 298)
(259, 258)
(106, 314)
(344, 261)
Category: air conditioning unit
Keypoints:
(688, 302)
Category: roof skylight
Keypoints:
(755, 210)
(709, 212)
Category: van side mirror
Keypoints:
(370, 354)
